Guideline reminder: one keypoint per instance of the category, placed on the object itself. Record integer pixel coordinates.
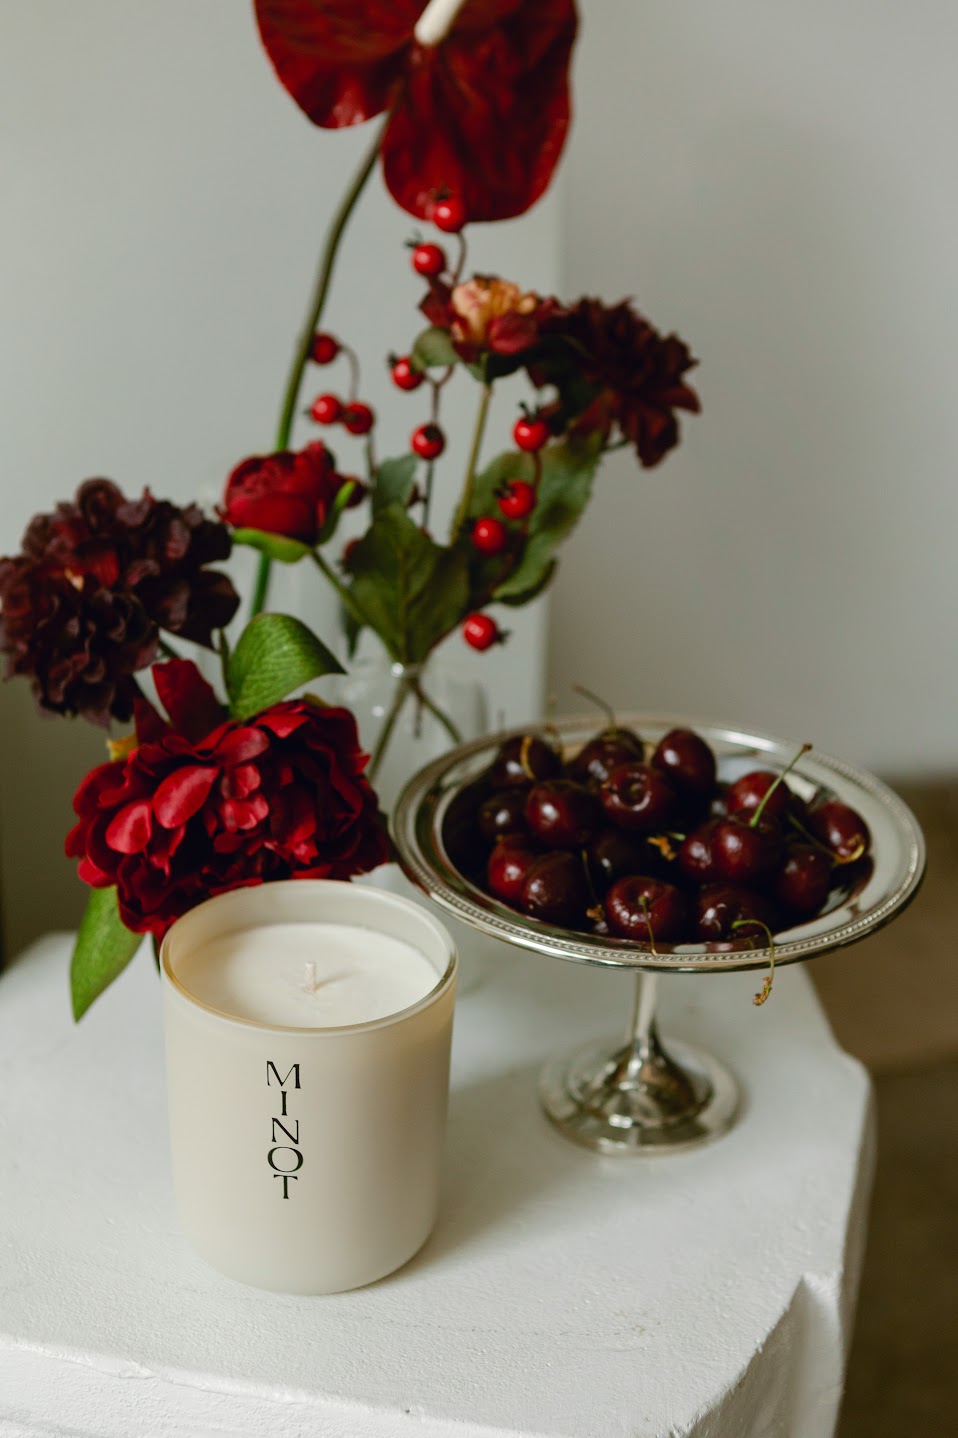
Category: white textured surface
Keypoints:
(707, 1295)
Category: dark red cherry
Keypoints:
(688, 762)
(643, 908)
(561, 814)
(523, 761)
(803, 881)
(613, 746)
(746, 853)
(695, 854)
(842, 830)
(502, 814)
(638, 798)
(613, 854)
(746, 794)
(556, 889)
(719, 907)
(506, 870)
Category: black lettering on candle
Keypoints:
(293, 1137)
(279, 1167)
(271, 1068)
(287, 1178)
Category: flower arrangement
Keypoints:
(210, 793)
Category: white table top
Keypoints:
(705, 1295)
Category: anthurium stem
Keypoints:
(465, 503)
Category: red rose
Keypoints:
(286, 493)
(194, 811)
(481, 113)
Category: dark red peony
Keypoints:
(635, 375)
(205, 803)
(480, 113)
(286, 493)
(95, 582)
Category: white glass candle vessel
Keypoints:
(308, 1027)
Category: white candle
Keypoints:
(308, 1026)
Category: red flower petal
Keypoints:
(187, 698)
(129, 830)
(182, 794)
(238, 746)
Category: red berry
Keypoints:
(480, 631)
(428, 260)
(405, 376)
(324, 348)
(358, 418)
(428, 441)
(449, 215)
(489, 535)
(326, 409)
(517, 499)
(530, 434)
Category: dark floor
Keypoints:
(903, 1373)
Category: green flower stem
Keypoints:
(403, 691)
(317, 303)
(465, 503)
(348, 599)
(436, 712)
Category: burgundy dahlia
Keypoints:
(188, 815)
(95, 582)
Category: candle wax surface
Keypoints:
(260, 974)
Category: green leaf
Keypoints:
(331, 522)
(433, 348)
(274, 655)
(103, 949)
(565, 486)
(413, 590)
(274, 546)
(394, 482)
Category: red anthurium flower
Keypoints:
(480, 113)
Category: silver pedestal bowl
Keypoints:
(633, 1094)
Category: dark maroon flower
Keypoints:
(286, 493)
(617, 369)
(83, 603)
(481, 115)
(189, 815)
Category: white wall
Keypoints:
(778, 183)
(163, 205)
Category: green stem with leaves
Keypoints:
(403, 691)
(316, 306)
(465, 502)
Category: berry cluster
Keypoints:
(637, 841)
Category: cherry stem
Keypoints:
(810, 838)
(772, 787)
(352, 360)
(465, 502)
(594, 699)
(766, 988)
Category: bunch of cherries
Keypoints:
(630, 840)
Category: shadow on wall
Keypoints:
(41, 764)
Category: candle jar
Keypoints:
(306, 1122)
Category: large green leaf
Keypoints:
(413, 590)
(394, 482)
(102, 951)
(274, 655)
(274, 546)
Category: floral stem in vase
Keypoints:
(435, 711)
(403, 691)
(465, 502)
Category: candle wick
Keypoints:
(309, 982)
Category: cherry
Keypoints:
(842, 830)
(720, 907)
(613, 746)
(561, 814)
(746, 794)
(695, 854)
(428, 260)
(428, 441)
(687, 761)
(323, 348)
(530, 433)
(640, 907)
(358, 418)
(556, 889)
(611, 855)
(518, 499)
(803, 881)
(502, 814)
(506, 870)
(326, 409)
(522, 761)
(405, 375)
(489, 536)
(637, 797)
(449, 215)
(746, 852)
(481, 632)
